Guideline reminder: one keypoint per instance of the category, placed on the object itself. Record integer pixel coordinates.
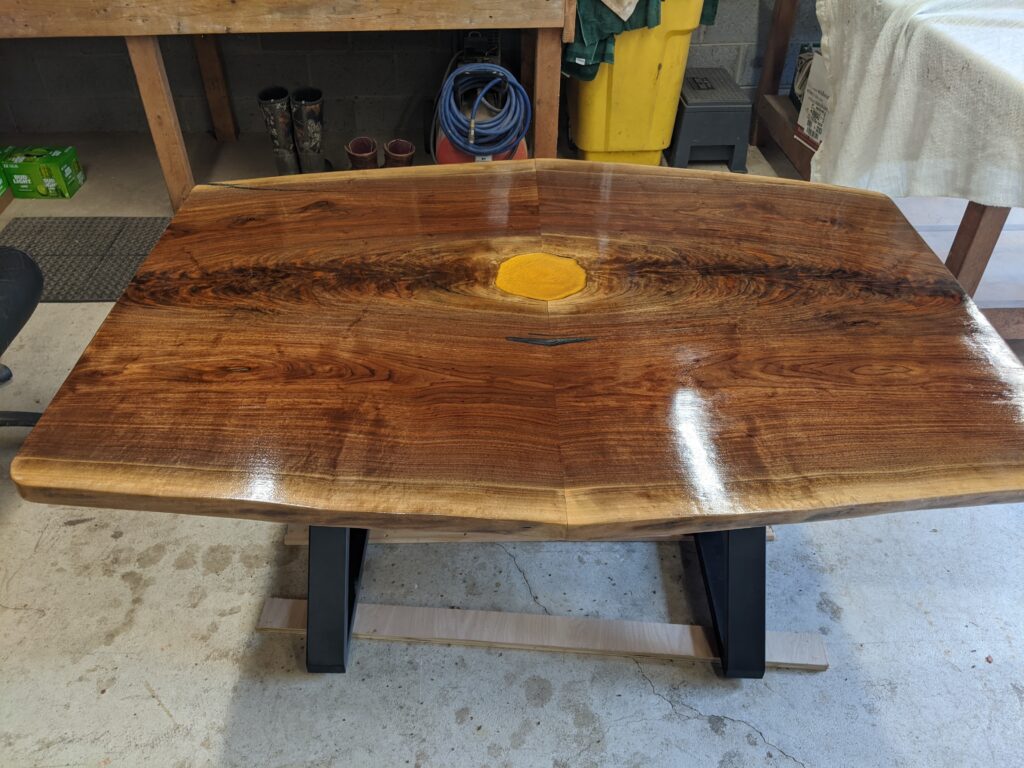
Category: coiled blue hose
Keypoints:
(493, 135)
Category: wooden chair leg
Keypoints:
(211, 68)
(148, 63)
(974, 242)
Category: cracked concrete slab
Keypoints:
(128, 637)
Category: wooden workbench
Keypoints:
(545, 23)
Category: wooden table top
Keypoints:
(333, 349)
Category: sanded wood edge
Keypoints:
(297, 535)
(325, 183)
(701, 175)
(539, 632)
(222, 493)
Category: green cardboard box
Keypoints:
(47, 172)
(3, 179)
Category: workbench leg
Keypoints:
(974, 242)
(211, 68)
(336, 558)
(733, 566)
(151, 77)
(780, 32)
(547, 80)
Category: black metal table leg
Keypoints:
(733, 566)
(335, 566)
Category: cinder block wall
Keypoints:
(737, 40)
(379, 84)
(375, 83)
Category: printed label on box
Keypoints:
(810, 126)
(42, 172)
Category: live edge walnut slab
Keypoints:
(333, 349)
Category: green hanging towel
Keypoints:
(596, 28)
(708, 12)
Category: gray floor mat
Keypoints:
(85, 258)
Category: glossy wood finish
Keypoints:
(331, 349)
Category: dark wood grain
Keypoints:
(332, 349)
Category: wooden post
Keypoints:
(211, 67)
(783, 18)
(974, 242)
(569, 22)
(151, 77)
(547, 80)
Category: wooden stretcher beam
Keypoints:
(538, 632)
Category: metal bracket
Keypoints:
(733, 566)
(336, 558)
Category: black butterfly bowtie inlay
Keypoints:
(549, 342)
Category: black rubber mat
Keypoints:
(85, 258)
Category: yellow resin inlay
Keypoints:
(541, 276)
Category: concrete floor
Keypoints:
(127, 638)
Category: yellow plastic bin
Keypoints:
(626, 113)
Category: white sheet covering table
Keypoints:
(927, 98)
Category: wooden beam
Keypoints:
(211, 68)
(297, 535)
(778, 118)
(783, 19)
(547, 81)
(569, 27)
(975, 240)
(148, 63)
(538, 632)
(89, 18)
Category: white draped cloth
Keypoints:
(927, 98)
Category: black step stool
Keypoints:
(712, 122)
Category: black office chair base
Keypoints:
(18, 418)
